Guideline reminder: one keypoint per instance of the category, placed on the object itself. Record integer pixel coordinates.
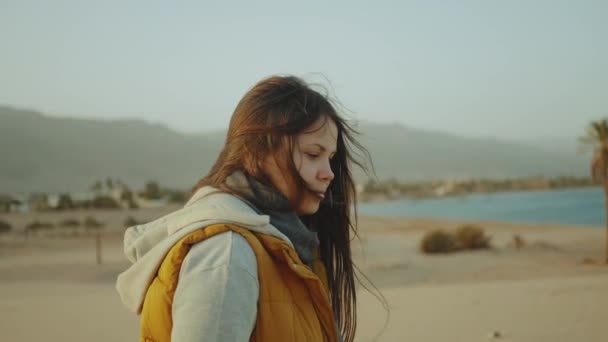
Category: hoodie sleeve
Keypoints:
(217, 293)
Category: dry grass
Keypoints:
(438, 241)
(465, 237)
(471, 237)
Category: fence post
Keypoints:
(98, 247)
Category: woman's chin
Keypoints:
(308, 208)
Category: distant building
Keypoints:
(9, 204)
(82, 199)
(445, 188)
(52, 201)
(151, 203)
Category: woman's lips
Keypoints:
(320, 194)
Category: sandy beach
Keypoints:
(554, 288)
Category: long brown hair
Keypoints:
(266, 122)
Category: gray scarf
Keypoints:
(268, 201)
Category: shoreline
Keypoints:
(383, 198)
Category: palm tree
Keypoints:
(596, 137)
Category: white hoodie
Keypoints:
(216, 296)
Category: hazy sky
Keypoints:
(510, 69)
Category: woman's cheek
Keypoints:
(307, 171)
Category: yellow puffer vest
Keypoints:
(293, 302)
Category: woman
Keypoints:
(261, 251)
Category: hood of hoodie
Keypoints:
(146, 245)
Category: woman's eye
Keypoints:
(312, 155)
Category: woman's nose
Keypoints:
(326, 173)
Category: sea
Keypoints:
(580, 206)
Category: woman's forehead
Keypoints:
(323, 132)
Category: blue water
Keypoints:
(574, 206)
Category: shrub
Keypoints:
(105, 202)
(36, 225)
(91, 223)
(471, 237)
(70, 223)
(518, 241)
(127, 196)
(178, 197)
(65, 202)
(152, 190)
(5, 227)
(130, 222)
(437, 241)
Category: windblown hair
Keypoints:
(266, 122)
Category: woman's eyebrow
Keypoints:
(321, 147)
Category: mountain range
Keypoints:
(52, 154)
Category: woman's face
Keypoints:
(314, 148)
